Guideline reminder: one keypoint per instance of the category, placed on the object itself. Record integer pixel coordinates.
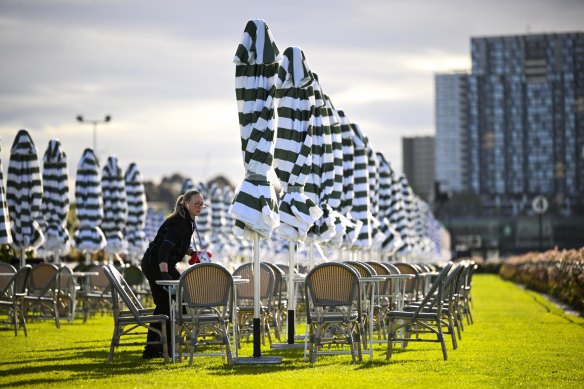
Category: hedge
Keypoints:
(559, 273)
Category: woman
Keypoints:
(171, 244)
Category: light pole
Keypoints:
(107, 119)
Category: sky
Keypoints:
(164, 70)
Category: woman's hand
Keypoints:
(165, 276)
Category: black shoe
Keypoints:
(149, 354)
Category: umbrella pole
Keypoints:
(22, 259)
(257, 358)
(291, 297)
(257, 352)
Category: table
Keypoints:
(171, 287)
(373, 280)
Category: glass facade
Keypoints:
(526, 116)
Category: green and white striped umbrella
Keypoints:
(334, 201)
(255, 207)
(115, 205)
(405, 222)
(154, 220)
(204, 219)
(24, 193)
(361, 204)
(353, 226)
(137, 206)
(88, 197)
(292, 155)
(187, 185)
(55, 198)
(320, 183)
(215, 202)
(392, 241)
(5, 234)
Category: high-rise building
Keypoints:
(526, 117)
(418, 164)
(451, 118)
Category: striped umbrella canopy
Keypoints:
(217, 220)
(88, 197)
(187, 185)
(392, 241)
(353, 226)
(255, 207)
(361, 202)
(405, 225)
(5, 235)
(204, 219)
(154, 220)
(320, 183)
(137, 205)
(55, 198)
(24, 194)
(292, 155)
(293, 158)
(334, 200)
(115, 205)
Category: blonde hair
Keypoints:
(179, 207)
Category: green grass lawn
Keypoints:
(519, 339)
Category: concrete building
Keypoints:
(418, 164)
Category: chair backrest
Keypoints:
(17, 285)
(411, 284)
(382, 269)
(66, 281)
(278, 282)
(206, 285)
(43, 279)
(333, 285)
(121, 290)
(99, 282)
(435, 294)
(451, 281)
(362, 268)
(6, 268)
(134, 276)
(267, 280)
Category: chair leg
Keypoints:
(440, 336)
(390, 338)
(163, 340)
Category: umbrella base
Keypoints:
(271, 360)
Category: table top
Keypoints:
(236, 281)
(395, 276)
(84, 273)
(7, 274)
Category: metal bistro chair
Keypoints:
(333, 311)
(43, 293)
(387, 296)
(129, 320)
(67, 293)
(427, 315)
(96, 295)
(279, 300)
(206, 293)
(12, 298)
(245, 299)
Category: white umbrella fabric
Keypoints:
(137, 205)
(115, 205)
(24, 194)
(55, 205)
(88, 197)
(293, 159)
(255, 207)
(5, 235)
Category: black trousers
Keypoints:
(151, 270)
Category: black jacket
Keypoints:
(170, 245)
